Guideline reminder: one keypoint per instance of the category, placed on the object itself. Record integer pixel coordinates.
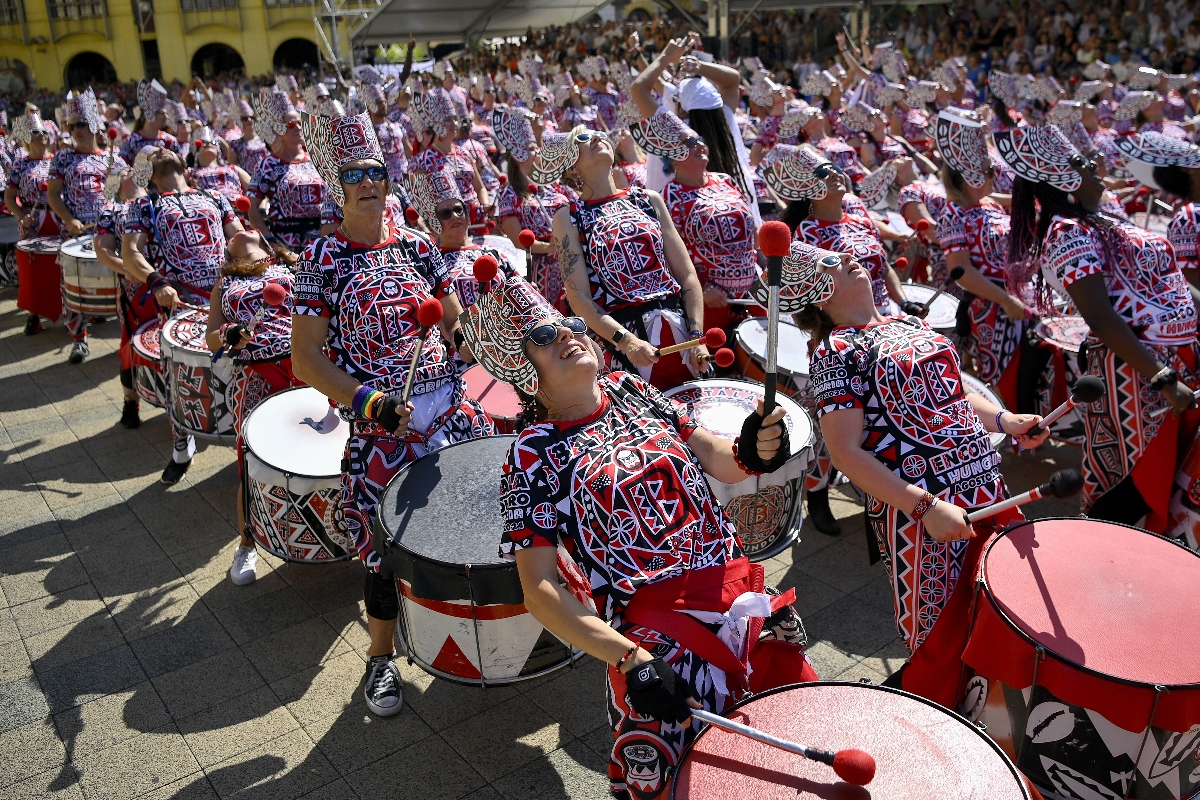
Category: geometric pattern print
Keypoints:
(460, 264)
(995, 339)
(82, 106)
(152, 97)
(1040, 155)
(792, 175)
(662, 135)
(203, 400)
(496, 328)
(136, 141)
(83, 176)
(27, 176)
(962, 145)
(307, 527)
(187, 231)
(335, 141)
(982, 231)
(242, 298)
(842, 156)
(514, 131)
(623, 250)
(622, 493)
(1159, 150)
(223, 180)
(857, 236)
(559, 153)
(536, 213)
(457, 162)
(716, 224)
(296, 191)
(1184, 235)
(428, 190)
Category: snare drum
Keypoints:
(942, 313)
(462, 610)
(201, 402)
(1086, 645)
(39, 281)
(292, 447)
(498, 399)
(149, 376)
(89, 287)
(973, 384)
(921, 750)
(1063, 337)
(750, 353)
(765, 509)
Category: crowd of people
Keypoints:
(640, 178)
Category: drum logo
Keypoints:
(647, 761)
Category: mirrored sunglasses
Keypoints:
(356, 175)
(456, 210)
(586, 136)
(543, 335)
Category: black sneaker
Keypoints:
(79, 351)
(382, 690)
(129, 414)
(175, 471)
(818, 511)
(33, 325)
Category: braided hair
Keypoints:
(711, 126)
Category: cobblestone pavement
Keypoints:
(131, 667)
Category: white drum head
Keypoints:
(40, 245)
(973, 384)
(793, 344)
(720, 406)
(79, 247)
(297, 432)
(944, 310)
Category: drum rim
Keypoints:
(737, 338)
(983, 584)
(249, 449)
(1018, 776)
(812, 436)
(378, 534)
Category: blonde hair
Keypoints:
(245, 268)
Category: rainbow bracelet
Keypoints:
(364, 397)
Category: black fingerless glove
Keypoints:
(655, 691)
(234, 334)
(387, 414)
(911, 308)
(747, 446)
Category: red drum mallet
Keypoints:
(274, 295)
(712, 339)
(1062, 484)
(852, 766)
(429, 314)
(775, 239)
(1088, 389)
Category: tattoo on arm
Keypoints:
(568, 260)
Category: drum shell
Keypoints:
(39, 278)
(89, 287)
(750, 357)
(295, 518)
(149, 374)
(498, 399)
(201, 401)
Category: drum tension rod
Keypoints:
(1159, 691)
(1039, 655)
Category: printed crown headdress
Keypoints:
(804, 279)
(495, 328)
(428, 190)
(1041, 155)
(661, 135)
(82, 105)
(513, 131)
(559, 153)
(1004, 86)
(152, 97)
(335, 141)
(963, 146)
(792, 173)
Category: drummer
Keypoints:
(287, 178)
(185, 229)
(25, 195)
(437, 116)
(75, 192)
(922, 464)
(1178, 173)
(262, 355)
(210, 174)
(627, 272)
(1141, 312)
(358, 353)
(135, 304)
(148, 130)
(602, 454)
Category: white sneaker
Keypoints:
(245, 559)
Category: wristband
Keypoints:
(155, 281)
(999, 427)
(1164, 377)
(628, 655)
(923, 506)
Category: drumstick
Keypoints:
(852, 766)
(1164, 410)
(724, 357)
(955, 274)
(535, 193)
(712, 338)
(775, 239)
(429, 313)
(1062, 484)
(273, 295)
(1087, 389)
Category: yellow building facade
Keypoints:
(50, 40)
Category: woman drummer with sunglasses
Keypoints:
(626, 271)
(289, 180)
(606, 483)
(356, 327)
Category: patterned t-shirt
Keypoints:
(855, 234)
(391, 142)
(842, 156)
(606, 104)
(27, 175)
(250, 154)
(635, 173)
(931, 193)
(917, 420)
(620, 490)
(717, 225)
(982, 232)
(370, 295)
(460, 164)
(768, 133)
(220, 179)
(136, 141)
(297, 194)
(241, 298)
(111, 222)
(623, 249)
(1184, 234)
(1145, 286)
(185, 234)
(461, 266)
(83, 176)
(487, 172)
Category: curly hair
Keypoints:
(245, 268)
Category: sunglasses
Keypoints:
(823, 171)
(693, 142)
(79, 124)
(293, 125)
(586, 136)
(543, 335)
(356, 175)
(456, 210)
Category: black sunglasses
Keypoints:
(356, 175)
(79, 124)
(823, 171)
(694, 141)
(456, 210)
(543, 335)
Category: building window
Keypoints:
(75, 9)
(207, 5)
(11, 12)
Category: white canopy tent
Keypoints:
(463, 20)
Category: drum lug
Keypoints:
(979, 723)
(867, 681)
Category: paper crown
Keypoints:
(430, 189)
(82, 106)
(558, 154)
(791, 173)
(513, 131)
(1041, 155)
(661, 135)
(804, 279)
(495, 328)
(335, 141)
(152, 97)
(963, 146)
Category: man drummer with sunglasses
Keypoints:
(355, 331)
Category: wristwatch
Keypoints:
(619, 335)
(1164, 377)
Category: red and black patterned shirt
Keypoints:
(620, 490)
(250, 154)
(460, 164)
(622, 247)
(83, 176)
(460, 264)
(1184, 235)
(185, 234)
(296, 193)
(221, 179)
(241, 298)
(27, 175)
(134, 143)
(717, 225)
(982, 232)
(370, 295)
(854, 233)
(391, 142)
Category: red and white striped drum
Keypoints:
(766, 509)
(292, 447)
(921, 750)
(39, 278)
(201, 390)
(1086, 651)
(149, 374)
(498, 399)
(89, 287)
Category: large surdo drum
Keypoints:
(149, 374)
(1086, 649)
(89, 287)
(39, 283)
(942, 312)
(201, 389)
(766, 509)
(750, 353)
(462, 610)
(921, 750)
